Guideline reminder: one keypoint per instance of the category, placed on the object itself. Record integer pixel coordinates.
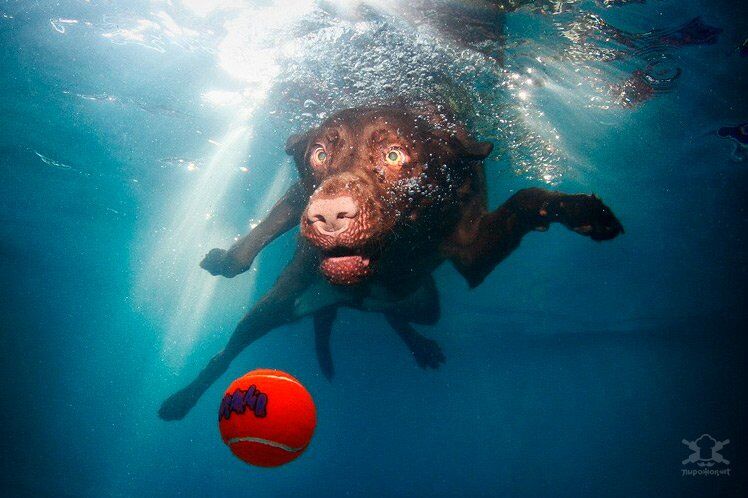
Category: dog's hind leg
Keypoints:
(274, 309)
(427, 352)
(323, 321)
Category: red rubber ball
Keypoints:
(267, 418)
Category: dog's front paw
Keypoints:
(588, 216)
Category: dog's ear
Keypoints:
(444, 123)
(297, 143)
(473, 149)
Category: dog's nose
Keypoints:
(332, 216)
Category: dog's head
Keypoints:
(376, 175)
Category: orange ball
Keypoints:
(267, 418)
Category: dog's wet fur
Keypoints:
(386, 195)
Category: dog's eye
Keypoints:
(319, 156)
(395, 157)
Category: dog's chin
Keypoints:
(346, 270)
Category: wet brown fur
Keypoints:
(408, 233)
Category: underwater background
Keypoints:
(135, 136)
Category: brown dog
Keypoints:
(386, 195)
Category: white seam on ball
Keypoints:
(274, 444)
(268, 376)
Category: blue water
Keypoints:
(135, 137)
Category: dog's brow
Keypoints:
(379, 135)
(333, 135)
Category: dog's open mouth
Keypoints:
(342, 266)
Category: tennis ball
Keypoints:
(267, 418)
